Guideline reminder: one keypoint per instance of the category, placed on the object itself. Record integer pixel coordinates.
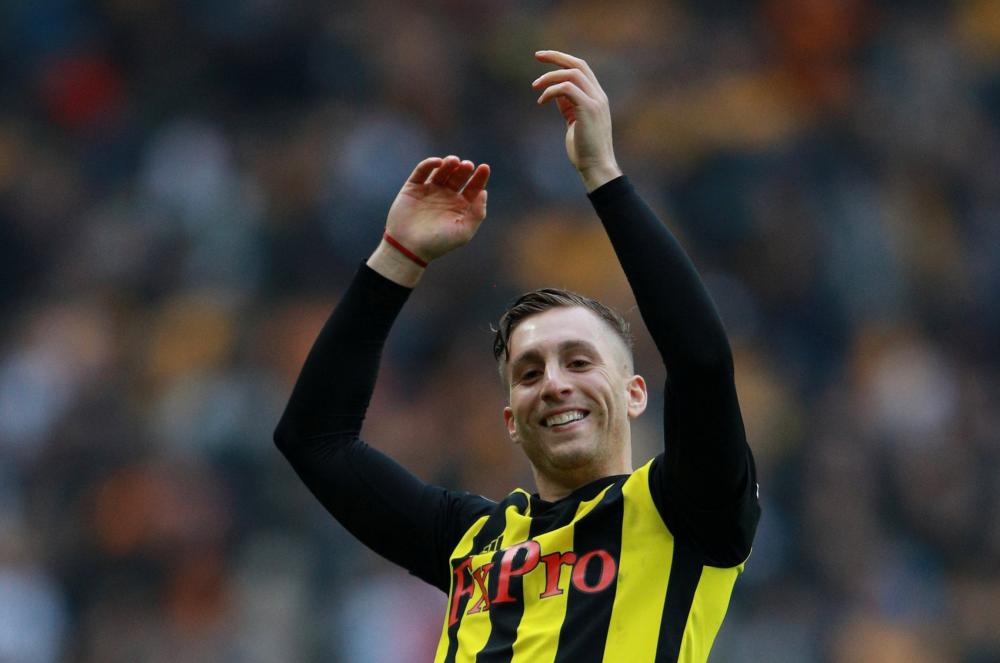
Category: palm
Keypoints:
(435, 203)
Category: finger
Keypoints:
(567, 90)
(573, 76)
(443, 172)
(424, 169)
(459, 176)
(477, 183)
(568, 61)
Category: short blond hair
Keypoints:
(545, 299)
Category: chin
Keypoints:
(574, 455)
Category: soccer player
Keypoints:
(603, 562)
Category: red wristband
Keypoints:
(402, 249)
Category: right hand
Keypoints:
(440, 206)
(586, 111)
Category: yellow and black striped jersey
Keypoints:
(597, 576)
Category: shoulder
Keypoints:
(723, 533)
(465, 506)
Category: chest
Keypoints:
(519, 559)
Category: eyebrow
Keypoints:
(535, 355)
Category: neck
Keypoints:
(552, 487)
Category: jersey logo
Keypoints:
(521, 559)
(493, 545)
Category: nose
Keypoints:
(555, 386)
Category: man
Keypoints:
(603, 563)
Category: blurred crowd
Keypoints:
(187, 187)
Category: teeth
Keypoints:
(564, 418)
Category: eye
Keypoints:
(579, 363)
(530, 374)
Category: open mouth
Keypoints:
(564, 420)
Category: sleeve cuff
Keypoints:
(379, 286)
(610, 191)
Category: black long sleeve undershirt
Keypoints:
(700, 483)
(707, 472)
(705, 438)
(386, 507)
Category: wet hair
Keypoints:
(545, 299)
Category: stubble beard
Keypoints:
(576, 455)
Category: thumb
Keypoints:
(479, 205)
(567, 109)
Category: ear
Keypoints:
(637, 396)
(508, 417)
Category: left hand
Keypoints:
(584, 106)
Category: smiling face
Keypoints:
(572, 394)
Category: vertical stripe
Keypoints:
(647, 550)
(488, 629)
(711, 600)
(685, 573)
(536, 635)
(505, 618)
(448, 641)
(597, 542)
(472, 630)
(536, 641)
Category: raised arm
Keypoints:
(707, 464)
(383, 505)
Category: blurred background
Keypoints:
(187, 187)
